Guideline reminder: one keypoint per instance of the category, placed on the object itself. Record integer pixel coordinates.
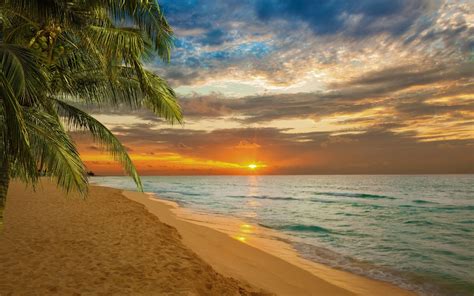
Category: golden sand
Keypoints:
(105, 245)
(108, 244)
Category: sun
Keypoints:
(252, 166)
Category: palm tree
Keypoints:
(57, 54)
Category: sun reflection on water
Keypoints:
(241, 238)
(245, 230)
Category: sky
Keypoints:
(308, 87)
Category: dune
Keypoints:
(126, 243)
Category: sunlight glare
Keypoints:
(252, 166)
(241, 238)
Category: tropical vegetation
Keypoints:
(58, 56)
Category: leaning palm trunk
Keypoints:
(4, 181)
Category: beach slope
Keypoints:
(106, 244)
(276, 270)
(131, 243)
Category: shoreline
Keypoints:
(116, 242)
(307, 277)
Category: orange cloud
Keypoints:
(244, 144)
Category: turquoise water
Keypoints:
(414, 231)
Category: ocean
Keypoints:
(411, 230)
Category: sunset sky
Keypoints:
(308, 87)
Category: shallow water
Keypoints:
(414, 231)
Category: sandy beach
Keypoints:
(130, 243)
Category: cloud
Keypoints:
(276, 43)
(353, 18)
(404, 89)
(314, 87)
(375, 151)
(215, 37)
(244, 144)
(408, 98)
(400, 77)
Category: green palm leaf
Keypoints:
(25, 73)
(87, 51)
(149, 18)
(55, 151)
(78, 119)
(120, 44)
(161, 99)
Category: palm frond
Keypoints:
(12, 68)
(80, 120)
(93, 54)
(14, 85)
(161, 99)
(148, 16)
(24, 72)
(14, 117)
(16, 148)
(120, 44)
(55, 151)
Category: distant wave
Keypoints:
(440, 208)
(343, 194)
(355, 195)
(263, 197)
(348, 214)
(418, 222)
(466, 208)
(422, 201)
(300, 228)
(179, 192)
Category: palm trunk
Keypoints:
(4, 182)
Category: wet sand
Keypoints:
(265, 263)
